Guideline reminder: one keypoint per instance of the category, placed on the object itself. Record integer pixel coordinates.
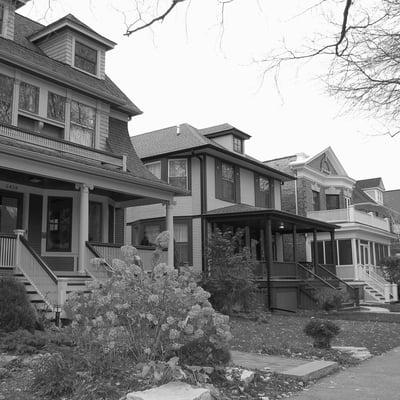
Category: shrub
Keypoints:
(16, 311)
(322, 332)
(230, 278)
(145, 317)
(330, 299)
(391, 269)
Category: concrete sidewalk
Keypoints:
(375, 379)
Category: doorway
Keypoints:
(10, 211)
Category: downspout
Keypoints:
(203, 208)
(295, 193)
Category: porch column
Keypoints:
(333, 247)
(295, 243)
(354, 256)
(170, 228)
(83, 225)
(105, 216)
(268, 257)
(25, 214)
(315, 255)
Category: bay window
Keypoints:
(6, 98)
(83, 124)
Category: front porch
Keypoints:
(276, 241)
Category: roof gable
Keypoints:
(222, 130)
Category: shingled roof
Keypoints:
(370, 183)
(26, 55)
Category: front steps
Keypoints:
(373, 295)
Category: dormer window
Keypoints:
(85, 58)
(237, 145)
(29, 98)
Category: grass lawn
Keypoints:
(286, 333)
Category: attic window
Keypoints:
(237, 145)
(85, 58)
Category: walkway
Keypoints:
(375, 379)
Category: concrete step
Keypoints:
(312, 370)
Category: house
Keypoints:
(226, 188)
(68, 170)
(324, 191)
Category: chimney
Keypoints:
(7, 17)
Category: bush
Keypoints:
(230, 276)
(145, 317)
(322, 332)
(16, 311)
(391, 269)
(329, 299)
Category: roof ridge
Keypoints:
(279, 158)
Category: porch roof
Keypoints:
(287, 220)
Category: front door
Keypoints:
(10, 211)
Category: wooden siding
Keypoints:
(60, 263)
(8, 31)
(103, 129)
(102, 64)
(277, 195)
(59, 47)
(119, 226)
(247, 193)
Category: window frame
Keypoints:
(258, 193)
(237, 144)
(337, 196)
(218, 182)
(71, 122)
(89, 46)
(187, 171)
(37, 108)
(315, 194)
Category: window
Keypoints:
(85, 58)
(56, 107)
(178, 173)
(6, 98)
(83, 124)
(150, 231)
(182, 243)
(226, 181)
(316, 200)
(332, 202)
(237, 145)
(262, 191)
(345, 252)
(155, 168)
(10, 212)
(95, 221)
(28, 98)
(59, 224)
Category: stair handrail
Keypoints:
(336, 277)
(367, 277)
(377, 277)
(315, 276)
(108, 268)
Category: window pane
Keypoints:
(56, 107)
(28, 97)
(332, 201)
(320, 248)
(81, 135)
(263, 192)
(85, 58)
(345, 254)
(228, 172)
(315, 199)
(95, 221)
(178, 173)
(155, 169)
(237, 145)
(59, 224)
(181, 232)
(8, 214)
(150, 233)
(6, 98)
(83, 115)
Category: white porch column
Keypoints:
(83, 225)
(25, 214)
(170, 228)
(395, 292)
(355, 261)
(104, 236)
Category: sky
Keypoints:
(185, 71)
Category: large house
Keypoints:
(226, 188)
(324, 191)
(68, 170)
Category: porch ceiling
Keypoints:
(281, 221)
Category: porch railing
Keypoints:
(7, 250)
(112, 251)
(63, 146)
(99, 270)
(36, 272)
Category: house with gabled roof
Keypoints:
(324, 191)
(226, 189)
(68, 169)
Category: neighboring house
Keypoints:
(226, 189)
(324, 191)
(67, 166)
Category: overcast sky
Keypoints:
(182, 72)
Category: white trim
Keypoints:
(187, 170)
(92, 47)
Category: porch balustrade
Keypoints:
(62, 146)
(350, 215)
(7, 250)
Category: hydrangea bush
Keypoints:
(145, 316)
